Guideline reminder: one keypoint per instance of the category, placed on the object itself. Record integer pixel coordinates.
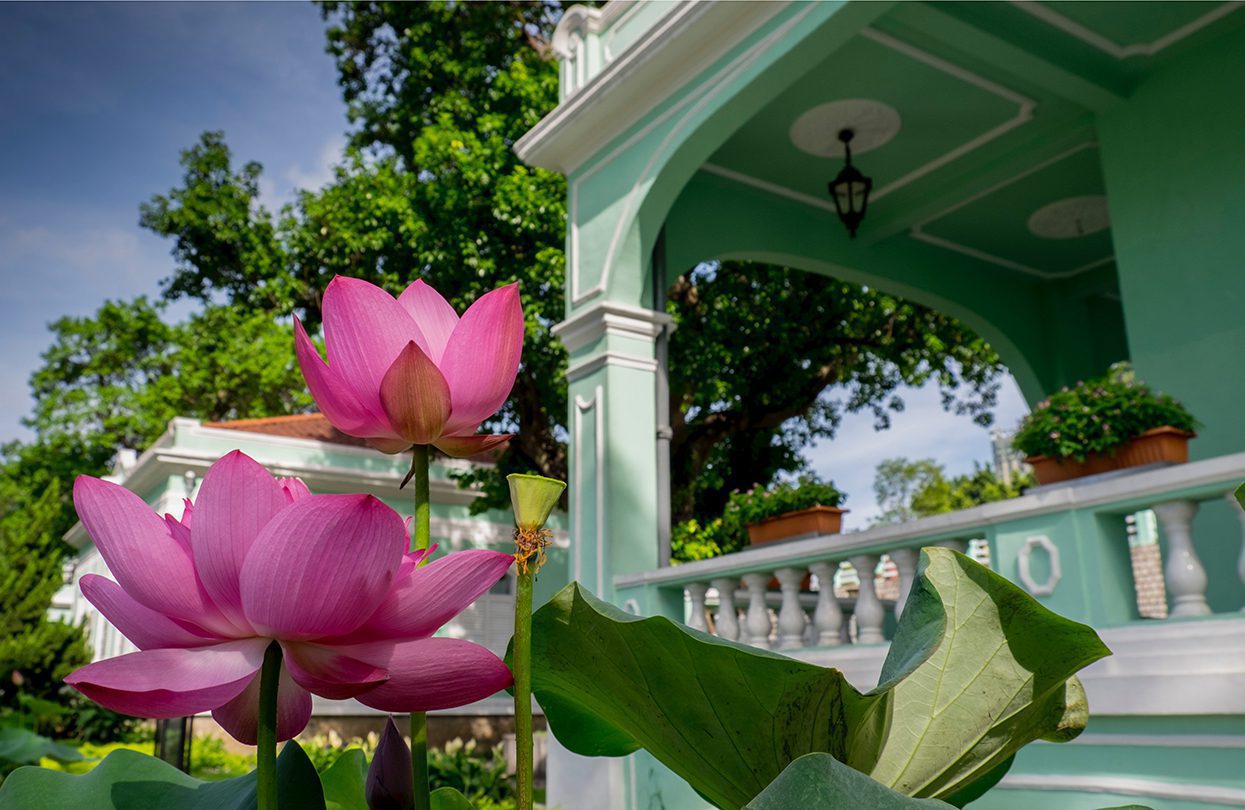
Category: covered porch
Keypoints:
(1068, 180)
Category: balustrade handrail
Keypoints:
(1122, 492)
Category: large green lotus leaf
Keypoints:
(977, 669)
(821, 781)
(22, 746)
(725, 717)
(128, 780)
(344, 780)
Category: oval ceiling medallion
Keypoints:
(1071, 218)
(817, 130)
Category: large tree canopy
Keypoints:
(438, 93)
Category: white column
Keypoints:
(905, 562)
(696, 593)
(791, 620)
(726, 620)
(869, 611)
(828, 616)
(757, 621)
(1240, 513)
(1183, 571)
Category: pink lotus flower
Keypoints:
(410, 371)
(327, 576)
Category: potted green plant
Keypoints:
(1104, 424)
(805, 507)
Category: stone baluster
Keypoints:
(870, 614)
(727, 620)
(828, 616)
(791, 620)
(905, 563)
(1240, 513)
(696, 593)
(757, 621)
(1183, 571)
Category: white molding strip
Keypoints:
(917, 231)
(1121, 52)
(597, 362)
(611, 318)
(1024, 111)
(1131, 786)
(597, 406)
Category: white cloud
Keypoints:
(321, 170)
(922, 430)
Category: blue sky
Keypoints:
(98, 100)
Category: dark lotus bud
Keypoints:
(390, 785)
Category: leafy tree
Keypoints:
(907, 490)
(36, 653)
(438, 93)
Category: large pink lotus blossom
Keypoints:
(410, 371)
(327, 576)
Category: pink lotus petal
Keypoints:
(469, 446)
(143, 626)
(432, 313)
(341, 404)
(482, 357)
(240, 716)
(430, 596)
(326, 672)
(415, 396)
(294, 488)
(178, 531)
(149, 565)
(171, 682)
(322, 566)
(431, 673)
(364, 329)
(237, 499)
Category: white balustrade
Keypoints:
(1183, 571)
(696, 594)
(726, 620)
(905, 563)
(869, 612)
(757, 621)
(1240, 513)
(791, 619)
(828, 616)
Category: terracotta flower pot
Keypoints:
(1161, 444)
(806, 522)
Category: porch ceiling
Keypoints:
(995, 155)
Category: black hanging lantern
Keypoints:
(850, 189)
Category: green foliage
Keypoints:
(472, 771)
(742, 411)
(21, 746)
(693, 540)
(438, 93)
(907, 490)
(820, 780)
(129, 780)
(729, 718)
(344, 781)
(1097, 416)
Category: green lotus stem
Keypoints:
(533, 498)
(522, 667)
(266, 753)
(421, 539)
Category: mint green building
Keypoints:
(1068, 179)
(307, 447)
